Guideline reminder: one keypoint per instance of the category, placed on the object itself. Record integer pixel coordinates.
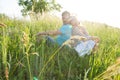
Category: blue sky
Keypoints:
(103, 11)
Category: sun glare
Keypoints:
(103, 11)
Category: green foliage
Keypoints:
(3, 16)
(26, 59)
(38, 6)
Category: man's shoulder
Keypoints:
(67, 25)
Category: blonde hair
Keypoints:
(65, 13)
(73, 20)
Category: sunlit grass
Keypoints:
(25, 59)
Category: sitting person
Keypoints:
(63, 33)
(86, 45)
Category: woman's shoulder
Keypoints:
(82, 27)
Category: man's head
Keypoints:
(65, 16)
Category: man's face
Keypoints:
(65, 17)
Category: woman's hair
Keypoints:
(73, 20)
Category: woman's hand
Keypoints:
(78, 37)
(96, 39)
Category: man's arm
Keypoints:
(57, 32)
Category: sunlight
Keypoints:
(103, 11)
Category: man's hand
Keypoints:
(41, 33)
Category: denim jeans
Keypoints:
(50, 40)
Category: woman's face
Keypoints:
(74, 22)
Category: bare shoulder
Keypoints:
(82, 27)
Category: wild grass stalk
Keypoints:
(27, 46)
(48, 65)
(110, 72)
(4, 44)
(51, 57)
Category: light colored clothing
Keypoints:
(66, 31)
(81, 47)
(84, 48)
(79, 31)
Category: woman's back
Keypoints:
(78, 30)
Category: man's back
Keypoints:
(66, 34)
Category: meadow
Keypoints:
(23, 58)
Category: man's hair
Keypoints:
(65, 12)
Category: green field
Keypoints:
(22, 58)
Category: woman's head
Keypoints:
(74, 21)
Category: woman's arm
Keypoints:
(95, 38)
(84, 31)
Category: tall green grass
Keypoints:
(26, 59)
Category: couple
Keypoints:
(71, 28)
